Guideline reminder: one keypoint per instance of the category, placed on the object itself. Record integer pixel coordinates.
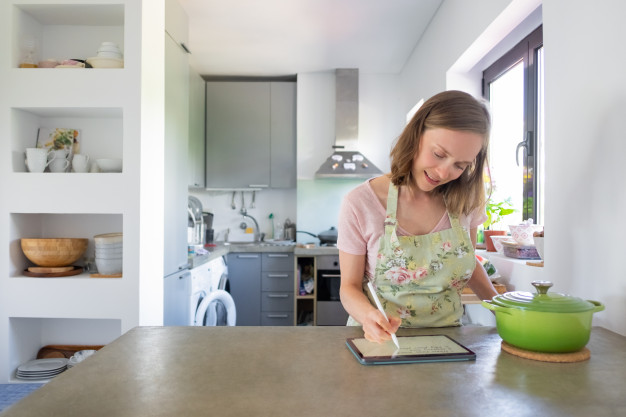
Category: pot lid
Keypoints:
(542, 301)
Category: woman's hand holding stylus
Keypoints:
(376, 327)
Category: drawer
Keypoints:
(276, 301)
(277, 318)
(277, 262)
(277, 281)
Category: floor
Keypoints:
(12, 393)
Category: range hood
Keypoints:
(346, 161)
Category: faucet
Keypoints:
(258, 236)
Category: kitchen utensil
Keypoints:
(76, 270)
(105, 62)
(513, 249)
(253, 198)
(289, 230)
(543, 322)
(37, 159)
(80, 163)
(232, 202)
(523, 233)
(382, 310)
(327, 237)
(109, 239)
(54, 251)
(109, 266)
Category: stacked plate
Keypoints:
(41, 368)
(109, 250)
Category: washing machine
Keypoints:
(211, 303)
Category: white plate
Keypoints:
(43, 365)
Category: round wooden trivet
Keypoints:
(578, 356)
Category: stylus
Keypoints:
(382, 310)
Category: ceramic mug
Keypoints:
(80, 163)
(59, 162)
(37, 159)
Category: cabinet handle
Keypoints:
(278, 275)
(277, 255)
(247, 256)
(277, 295)
(330, 276)
(258, 185)
(277, 316)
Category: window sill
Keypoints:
(516, 274)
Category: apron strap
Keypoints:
(391, 222)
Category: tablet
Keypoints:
(413, 349)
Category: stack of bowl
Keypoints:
(109, 56)
(109, 250)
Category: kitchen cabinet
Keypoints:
(244, 275)
(277, 289)
(262, 286)
(175, 158)
(196, 155)
(176, 300)
(250, 134)
(106, 106)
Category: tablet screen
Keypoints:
(424, 348)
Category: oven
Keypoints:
(330, 312)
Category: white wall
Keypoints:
(457, 24)
(380, 122)
(585, 102)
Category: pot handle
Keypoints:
(494, 307)
(598, 306)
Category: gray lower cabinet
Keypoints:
(277, 283)
(262, 286)
(244, 276)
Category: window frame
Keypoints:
(525, 51)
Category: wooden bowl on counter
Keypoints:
(53, 252)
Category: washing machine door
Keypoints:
(216, 309)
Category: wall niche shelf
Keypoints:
(53, 225)
(65, 31)
(29, 334)
(100, 130)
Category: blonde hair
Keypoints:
(454, 110)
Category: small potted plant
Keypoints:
(495, 212)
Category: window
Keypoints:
(513, 85)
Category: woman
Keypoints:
(412, 232)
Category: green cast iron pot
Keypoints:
(543, 322)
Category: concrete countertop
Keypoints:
(222, 249)
(308, 371)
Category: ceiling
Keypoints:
(286, 37)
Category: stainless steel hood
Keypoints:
(346, 161)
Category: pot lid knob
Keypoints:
(542, 286)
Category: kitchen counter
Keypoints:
(308, 371)
(224, 249)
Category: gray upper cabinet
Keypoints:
(250, 134)
(196, 130)
(283, 135)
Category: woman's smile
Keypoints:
(443, 155)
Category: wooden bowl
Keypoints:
(54, 252)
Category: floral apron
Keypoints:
(420, 278)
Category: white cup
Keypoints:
(37, 159)
(80, 163)
(59, 161)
